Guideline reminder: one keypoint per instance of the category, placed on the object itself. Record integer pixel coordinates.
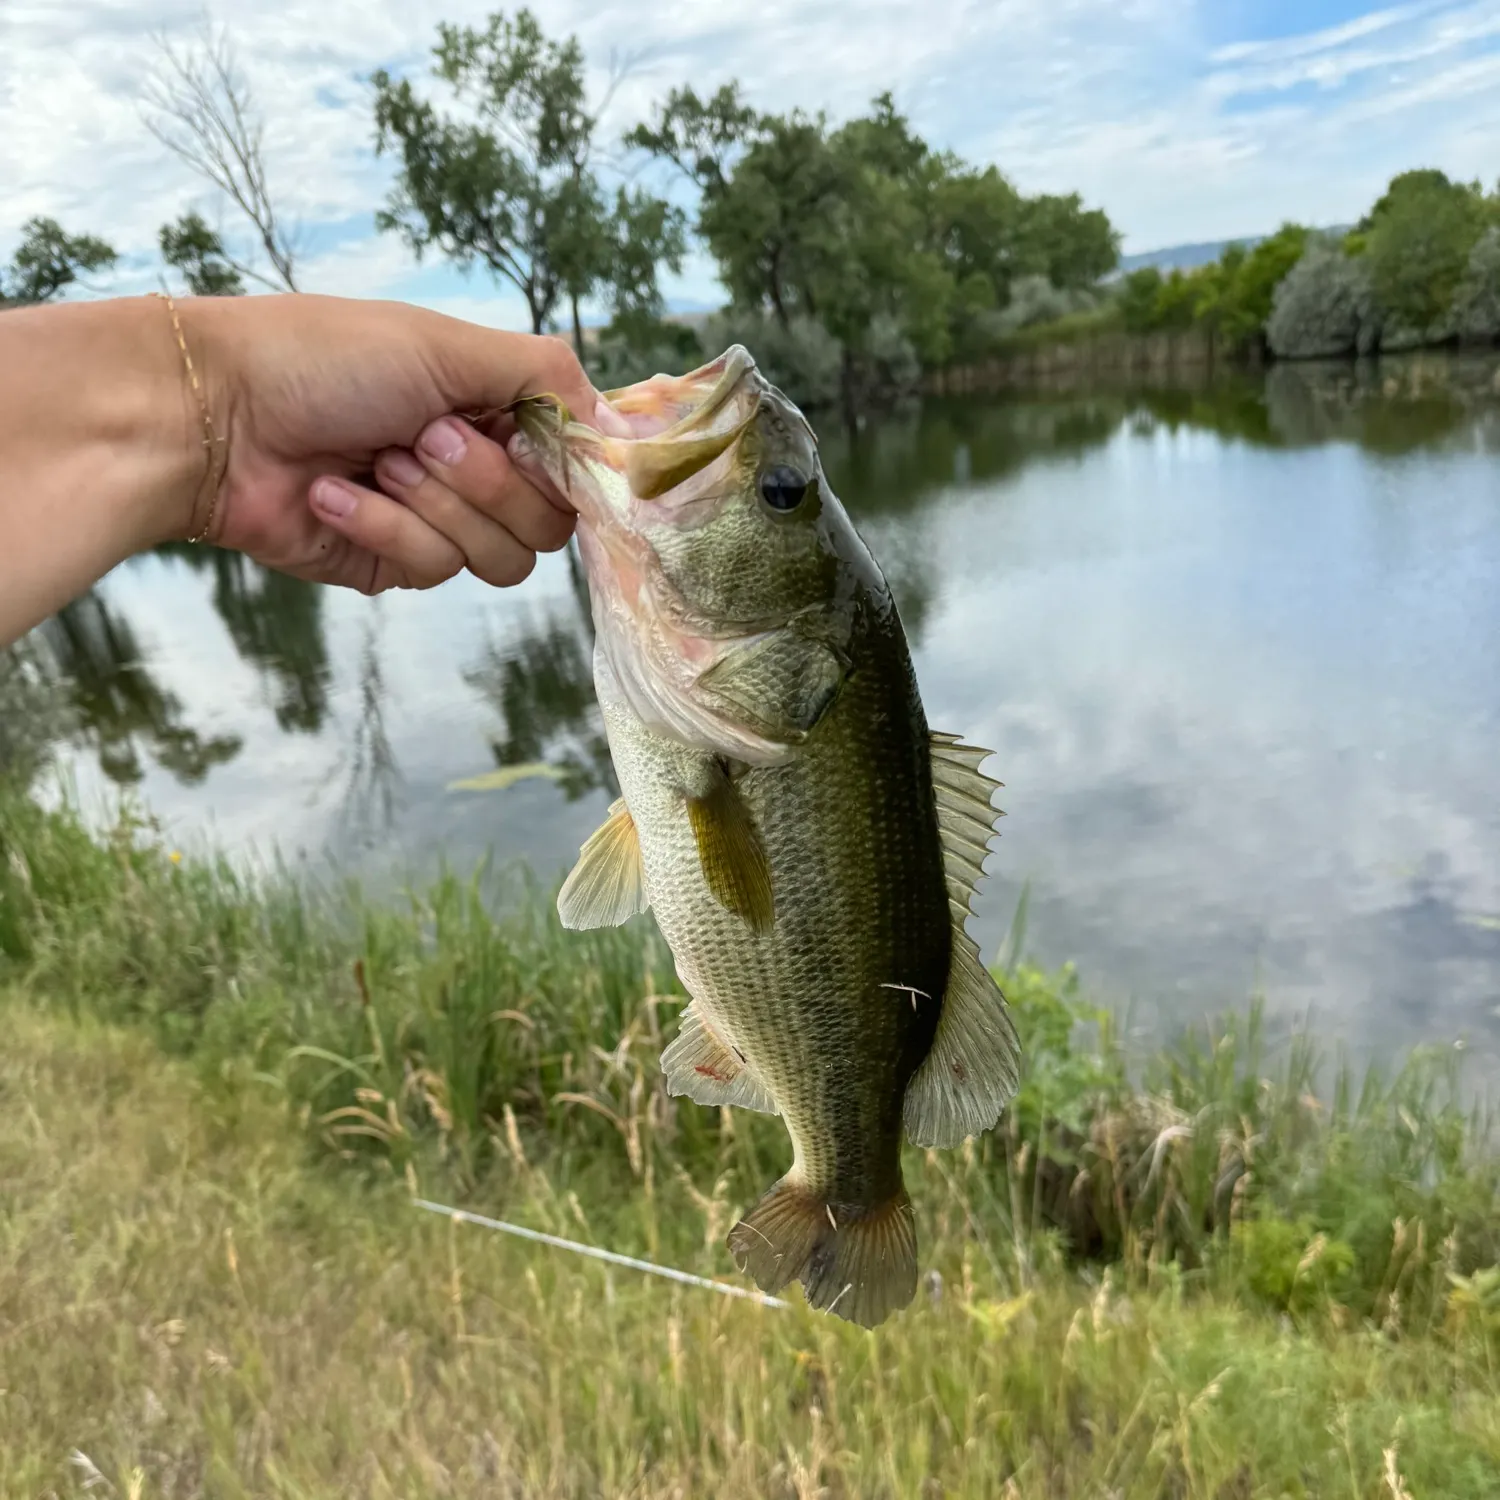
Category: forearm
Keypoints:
(102, 440)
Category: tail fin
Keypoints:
(857, 1262)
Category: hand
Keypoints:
(346, 460)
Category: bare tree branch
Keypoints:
(199, 106)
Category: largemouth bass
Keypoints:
(808, 847)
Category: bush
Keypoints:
(1476, 304)
(1323, 308)
(636, 352)
(1033, 300)
(805, 360)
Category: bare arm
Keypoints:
(341, 458)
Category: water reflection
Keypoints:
(1234, 645)
(540, 685)
(276, 624)
(117, 706)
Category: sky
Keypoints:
(1185, 120)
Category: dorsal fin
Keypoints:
(972, 1069)
(966, 820)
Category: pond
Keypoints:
(1235, 648)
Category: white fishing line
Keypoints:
(594, 1253)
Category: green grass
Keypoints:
(1190, 1277)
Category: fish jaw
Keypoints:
(656, 645)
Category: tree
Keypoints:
(509, 182)
(1070, 245)
(199, 106)
(1417, 242)
(194, 249)
(49, 259)
(864, 228)
(1476, 304)
(1245, 303)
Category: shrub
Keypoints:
(1323, 307)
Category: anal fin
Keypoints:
(607, 885)
(699, 1064)
(858, 1262)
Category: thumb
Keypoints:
(484, 369)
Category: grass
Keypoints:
(1187, 1278)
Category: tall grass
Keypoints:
(1131, 1224)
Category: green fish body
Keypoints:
(808, 848)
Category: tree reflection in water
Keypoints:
(277, 626)
(116, 706)
(541, 684)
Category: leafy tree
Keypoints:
(191, 247)
(1068, 244)
(1417, 239)
(701, 137)
(48, 260)
(500, 183)
(1139, 294)
(506, 180)
(864, 228)
(1245, 301)
(1476, 304)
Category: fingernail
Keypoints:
(399, 465)
(521, 449)
(445, 440)
(611, 422)
(334, 498)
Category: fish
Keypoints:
(808, 847)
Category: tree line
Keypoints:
(853, 255)
(1420, 268)
(856, 250)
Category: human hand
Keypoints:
(346, 460)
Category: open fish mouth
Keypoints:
(696, 404)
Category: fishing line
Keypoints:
(595, 1253)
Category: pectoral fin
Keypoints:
(780, 684)
(699, 1064)
(972, 1070)
(607, 885)
(731, 854)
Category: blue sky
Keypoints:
(1184, 119)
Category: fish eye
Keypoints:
(784, 488)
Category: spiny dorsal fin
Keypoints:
(732, 855)
(966, 821)
(971, 1070)
(606, 886)
(698, 1063)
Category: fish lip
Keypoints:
(729, 372)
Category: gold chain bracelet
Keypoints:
(211, 442)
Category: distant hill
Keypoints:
(1188, 257)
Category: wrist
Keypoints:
(187, 429)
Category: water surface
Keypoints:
(1235, 649)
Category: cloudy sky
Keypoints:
(1184, 119)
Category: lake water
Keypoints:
(1235, 649)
